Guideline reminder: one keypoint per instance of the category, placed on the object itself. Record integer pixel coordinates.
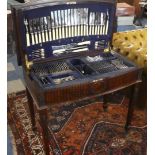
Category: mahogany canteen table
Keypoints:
(110, 85)
(70, 60)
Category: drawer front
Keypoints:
(97, 87)
(75, 92)
(123, 80)
(66, 94)
(83, 90)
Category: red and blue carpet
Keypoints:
(79, 129)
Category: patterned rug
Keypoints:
(79, 129)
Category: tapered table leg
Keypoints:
(44, 126)
(31, 108)
(133, 98)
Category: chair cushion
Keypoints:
(133, 45)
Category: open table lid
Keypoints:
(50, 28)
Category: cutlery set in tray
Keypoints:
(53, 73)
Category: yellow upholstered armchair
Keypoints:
(133, 45)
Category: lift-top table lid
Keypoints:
(49, 28)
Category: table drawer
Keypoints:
(98, 87)
(123, 80)
(75, 92)
(67, 94)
